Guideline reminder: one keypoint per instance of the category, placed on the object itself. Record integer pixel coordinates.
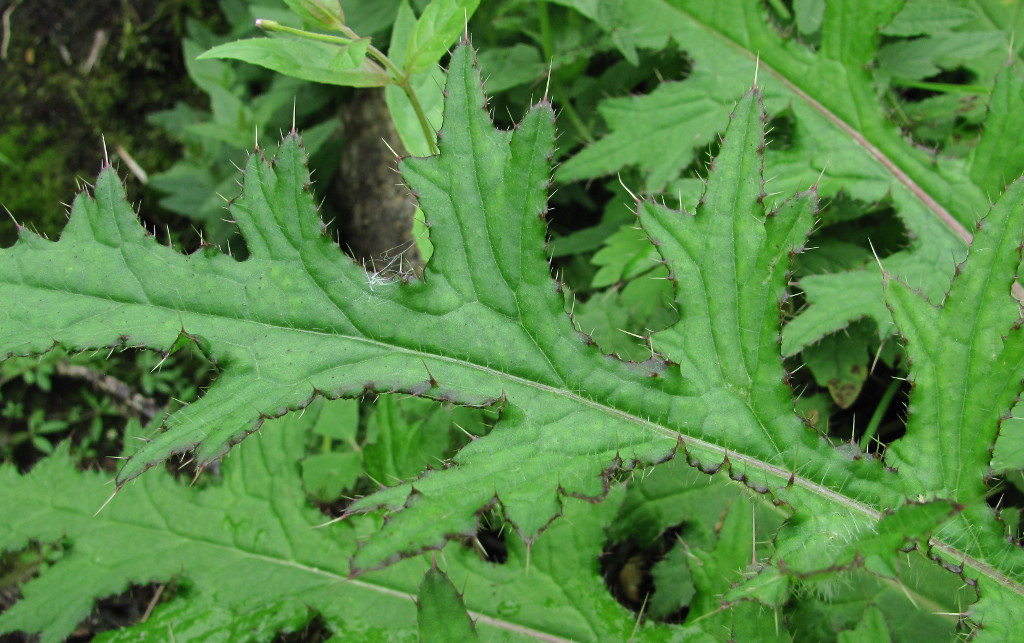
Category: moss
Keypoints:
(28, 181)
(57, 109)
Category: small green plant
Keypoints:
(677, 489)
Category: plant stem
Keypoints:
(876, 417)
(273, 25)
(400, 78)
(945, 88)
(581, 128)
(546, 41)
(780, 9)
(548, 50)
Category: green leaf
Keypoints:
(441, 615)
(872, 629)
(504, 68)
(426, 84)
(809, 14)
(842, 138)
(924, 57)
(1009, 449)
(404, 438)
(326, 14)
(626, 254)
(436, 30)
(927, 16)
(611, 16)
(241, 559)
(954, 412)
(840, 363)
(620, 320)
(487, 327)
(254, 524)
(997, 161)
(320, 62)
(687, 114)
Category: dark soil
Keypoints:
(74, 74)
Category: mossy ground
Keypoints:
(74, 74)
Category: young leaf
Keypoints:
(321, 62)
(326, 14)
(436, 30)
(428, 87)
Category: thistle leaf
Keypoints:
(486, 326)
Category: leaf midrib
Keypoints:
(315, 571)
(787, 477)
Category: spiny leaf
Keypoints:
(997, 160)
(243, 559)
(254, 525)
(955, 411)
(487, 326)
(441, 615)
(842, 138)
(435, 31)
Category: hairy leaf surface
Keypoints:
(243, 559)
(842, 137)
(486, 326)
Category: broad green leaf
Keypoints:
(487, 326)
(441, 616)
(437, 29)
(321, 62)
(967, 359)
(249, 562)
(252, 524)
